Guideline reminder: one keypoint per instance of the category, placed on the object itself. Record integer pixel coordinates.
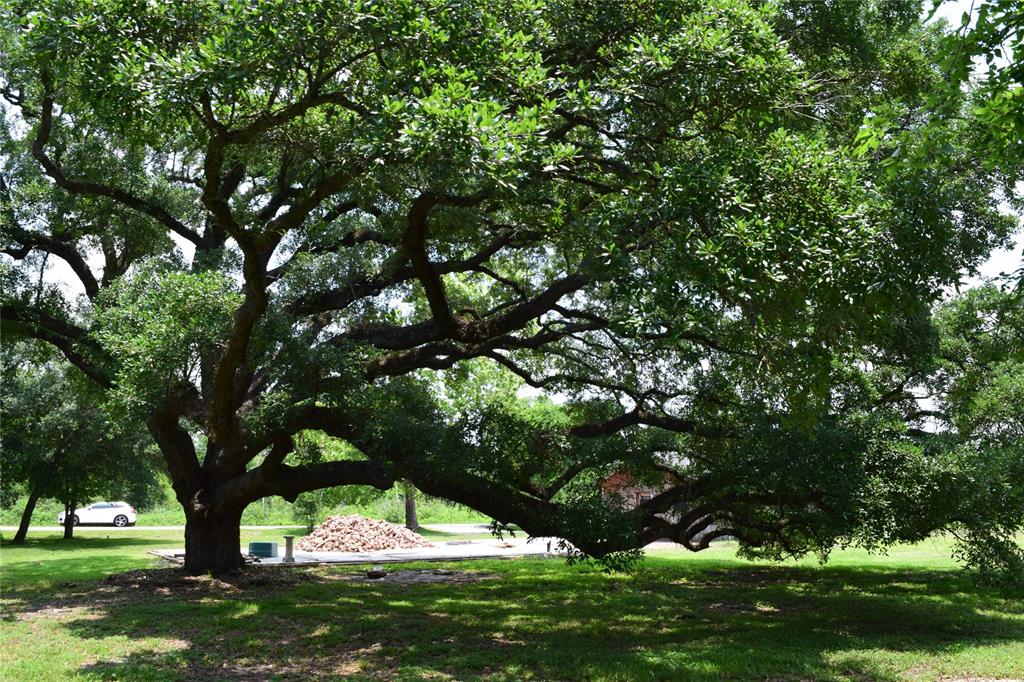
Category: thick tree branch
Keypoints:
(29, 240)
(415, 247)
(69, 254)
(182, 464)
(85, 187)
(634, 418)
(291, 481)
(227, 393)
(478, 332)
(293, 111)
(72, 341)
(373, 285)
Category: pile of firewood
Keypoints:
(355, 533)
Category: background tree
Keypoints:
(409, 498)
(978, 389)
(57, 444)
(313, 216)
(40, 430)
(309, 506)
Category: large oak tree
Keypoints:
(348, 216)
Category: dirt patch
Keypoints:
(751, 576)
(143, 585)
(762, 608)
(176, 579)
(58, 610)
(727, 607)
(438, 575)
(110, 669)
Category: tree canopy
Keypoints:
(348, 216)
(987, 48)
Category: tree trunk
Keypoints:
(69, 519)
(26, 518)
(213, 542)
(411, 522)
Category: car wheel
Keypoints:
(74, 520)
(120, 520)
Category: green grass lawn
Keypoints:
(908, 616)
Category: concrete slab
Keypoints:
(455, 551)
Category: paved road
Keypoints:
(129, 528)
(461, 528)
(457, 528)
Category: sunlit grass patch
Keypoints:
(711, 616)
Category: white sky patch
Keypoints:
(1002, 262)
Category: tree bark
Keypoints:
(69, 519)
(411, 522)
(213, 542)
(26, 517)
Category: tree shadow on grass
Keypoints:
(541, 619)
(43, 563)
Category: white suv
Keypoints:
(103, 513)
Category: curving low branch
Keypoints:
(72, 341)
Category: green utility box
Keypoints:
(263, 549)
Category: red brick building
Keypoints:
(632, 493)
